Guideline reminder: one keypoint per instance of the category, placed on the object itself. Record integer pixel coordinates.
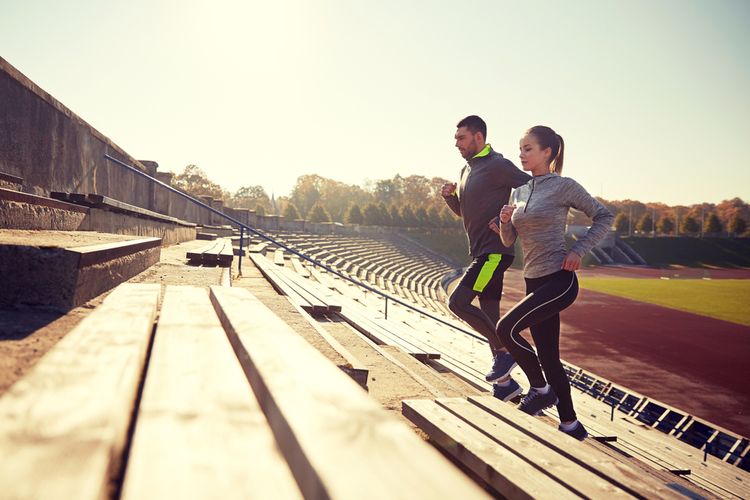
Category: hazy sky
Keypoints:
(652, 97)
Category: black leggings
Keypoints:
(540, 312)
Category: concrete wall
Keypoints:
(53, 149)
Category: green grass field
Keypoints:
(722, 299)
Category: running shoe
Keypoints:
(578, 432)
(501, 367)
(534, 402)
(508, 392)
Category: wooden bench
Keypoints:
(219, 252)
(522, 457)
(337, 441)
(315, 302)
(223, 412)
(200, 431)
(65, 424)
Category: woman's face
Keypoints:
(533, 158)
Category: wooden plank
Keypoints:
(620, 474)
(353, 367)
(283, 285)
(258, 247)
(65, 424)
(299, 268)
(507, 473)
(576, 477)
(225, 254)
(278, 257)
(338, 442)
(196, 255)
(200, 429)
(666, 451)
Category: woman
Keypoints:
(537, 215)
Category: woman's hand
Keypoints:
(572, 262)
(506, 212)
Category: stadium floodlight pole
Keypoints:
(285, 247)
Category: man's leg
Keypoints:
(461, 304)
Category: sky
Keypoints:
(651, 97)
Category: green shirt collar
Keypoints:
(483, 152)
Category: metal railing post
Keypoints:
(242, 237)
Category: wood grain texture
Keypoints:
(200, 432)
(339, 442)
(621, 474)
(577, 477)
(504, 471)
(63, 426)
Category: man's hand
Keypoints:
(495, 225)
(506, 212)
(449, 188)
(572, 262)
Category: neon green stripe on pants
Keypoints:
(485, 274)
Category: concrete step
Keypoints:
(8, 181)
(64, 269)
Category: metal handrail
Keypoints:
(244, 227)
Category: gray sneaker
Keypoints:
(578, 432)
(508, 392)
(501, 367)
(534, 402)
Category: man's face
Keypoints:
(467, 143)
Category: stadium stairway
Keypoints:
(659, 438)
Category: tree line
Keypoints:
(415, 201)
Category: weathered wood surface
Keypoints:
(63, 427)
(339, 442)
(200, 431)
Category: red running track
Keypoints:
(694, 363)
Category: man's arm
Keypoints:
(451, 198)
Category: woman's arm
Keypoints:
(602, 219)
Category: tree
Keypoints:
(194, 181)
(621, 223)
(291, 212)
(450, 219)
(665, 225)
(433, 217)
(306, 192)
(407, 215)
(385, 217)
(354, 215)
(250, 197)
(318, 213)
(422, 220)
(396, 217)
(712, 224)
(389, 191)
(690, 225)
(372, 215)
(737, 225)
(260, 210)
(646, 223)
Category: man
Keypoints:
(485, 185)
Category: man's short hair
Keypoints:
(474, 124)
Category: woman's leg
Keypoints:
(547, 296)
(546, 335)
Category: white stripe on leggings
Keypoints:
(542, 305)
